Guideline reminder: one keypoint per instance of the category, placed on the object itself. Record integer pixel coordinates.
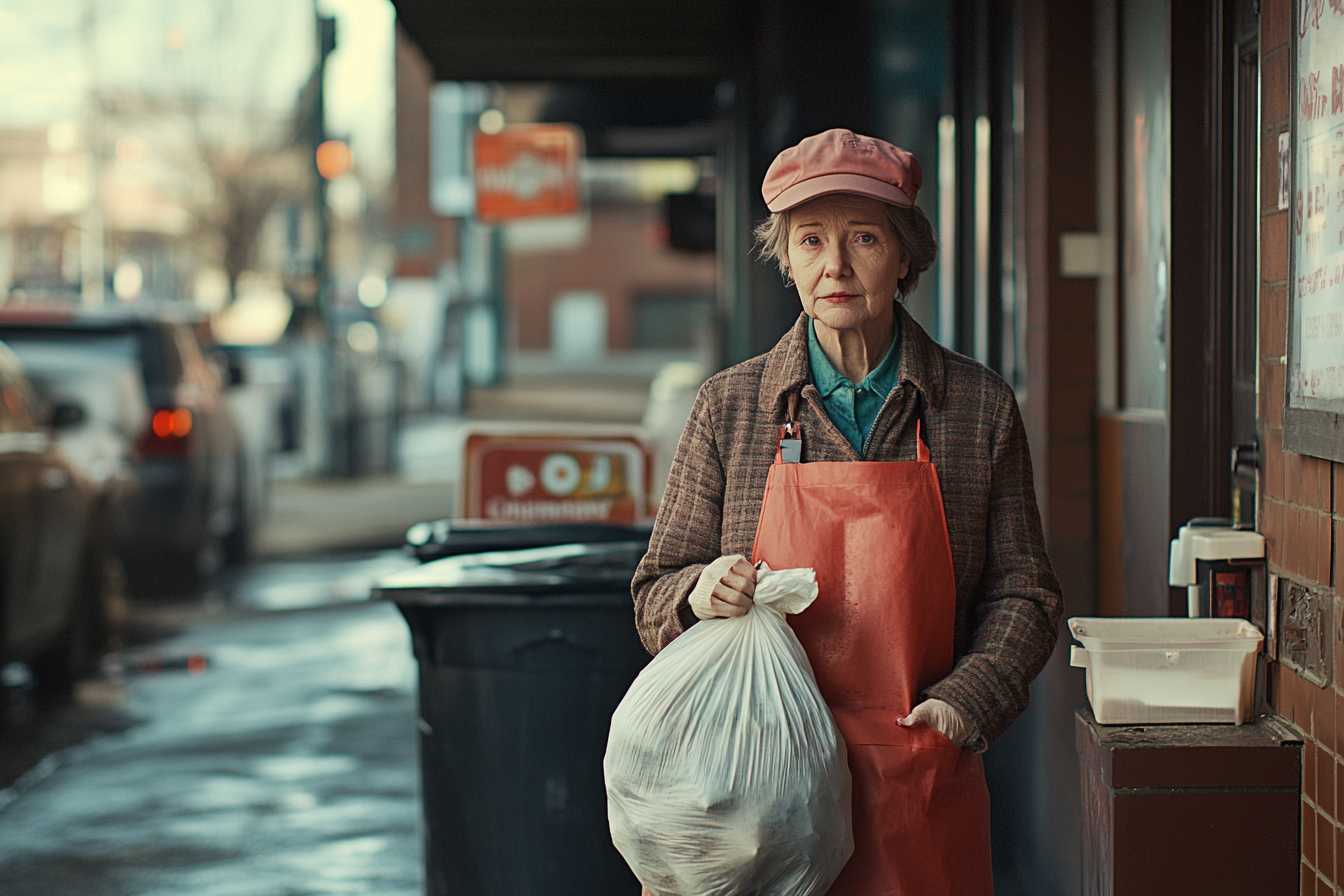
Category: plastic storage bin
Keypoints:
(1164, 670)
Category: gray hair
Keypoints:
(912, 228)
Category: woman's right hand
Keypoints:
(725, 588)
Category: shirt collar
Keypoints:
(785, 368)
(881, 380)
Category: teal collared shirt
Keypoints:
(853, 409)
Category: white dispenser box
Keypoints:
(1144, 670)
(1220, 566)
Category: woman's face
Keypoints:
(846, 261)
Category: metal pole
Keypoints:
(733, 223)
(92, 261)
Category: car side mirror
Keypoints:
(63, 416)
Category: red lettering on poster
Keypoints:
(1312, 11)
(1313, 100)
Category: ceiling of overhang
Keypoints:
(556, 40)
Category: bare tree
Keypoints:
(239, 155)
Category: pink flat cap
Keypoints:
(841, 161)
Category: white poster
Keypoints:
(1316, 353)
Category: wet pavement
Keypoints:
(259, 740)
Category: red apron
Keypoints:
(879, 632)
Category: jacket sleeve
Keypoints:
(686, 535)
(1019, 601)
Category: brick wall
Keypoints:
(626, 253)
(1300, 511)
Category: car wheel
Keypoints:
(238, 543)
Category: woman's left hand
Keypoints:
(942, 716)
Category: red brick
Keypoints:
(1339, 791)
(1292, 541)
(1283, 691)
(1323, 887)
(1308, 835)
(1323, 717)
(1316, 479)
(1275, 23)
(1292, 477)
(1339, 712)
(1269, 400)
(1273, 322)
(1271, 526)
(1301, 711)
(1326, 705)
(1325, 847)
(1274, 100)
(1274, 247)
(1269, 174)
(1309, 753)
(1323, 554)
(1339, 673)
(1339, 846)
(1326, 769)
(1335, 548)
(1339, 489)
(1271, 476)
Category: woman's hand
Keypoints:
(724, 589)
(943, 716)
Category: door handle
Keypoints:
(1245, 457)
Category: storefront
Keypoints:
(1134, 202)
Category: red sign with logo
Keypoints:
(526, 171)
(555, 479)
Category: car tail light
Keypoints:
(167, 434)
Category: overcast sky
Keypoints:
(257, 52)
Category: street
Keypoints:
(266, 746)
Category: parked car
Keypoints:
(54, 542)
(100, 439)
(191, 506)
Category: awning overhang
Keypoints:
(583, 40)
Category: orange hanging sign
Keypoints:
(561, 478)
(526, 171)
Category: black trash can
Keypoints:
(433, 539)
(523, 657)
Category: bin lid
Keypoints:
(1160, 632)
(433, 539)
(575, 571)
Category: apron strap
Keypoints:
(790, 447)
(921, 446)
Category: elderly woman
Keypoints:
(900, 472)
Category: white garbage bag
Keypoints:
(725, 772)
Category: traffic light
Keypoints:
(334, 159)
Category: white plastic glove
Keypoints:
(725, 588)
(944, 717)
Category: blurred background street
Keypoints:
(302, 297)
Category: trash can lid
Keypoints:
(518, 577)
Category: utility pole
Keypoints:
(92, 265)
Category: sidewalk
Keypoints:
(313, 515)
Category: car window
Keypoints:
(169, 355)
(51, 347)
(195, 369)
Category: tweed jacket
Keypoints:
(1008, 598)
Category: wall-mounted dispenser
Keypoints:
(1221, 567)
